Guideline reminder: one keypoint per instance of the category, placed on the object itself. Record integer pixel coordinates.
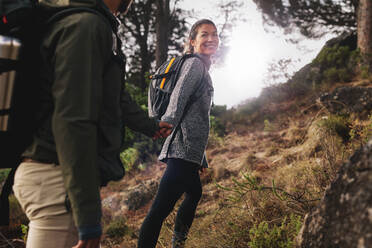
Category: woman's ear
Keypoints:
(192, 43)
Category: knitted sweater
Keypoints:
(190, 138)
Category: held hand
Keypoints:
(164, 131)
(89, 243)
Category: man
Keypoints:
(76, 149)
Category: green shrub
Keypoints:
(129, 157)
(364, 72)
(117, 228)
(333, 56)
(214, 140)
(218, 110)
(25, 230)
(344, 75)
(335, 64)
(265, 236)
(3, 174)
(268, 126)
(331, 75)
(338, 125)
(217, 126)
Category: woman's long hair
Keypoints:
(193, 32)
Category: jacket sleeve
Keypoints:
(135, 118)
(192, 72)
(82, 45)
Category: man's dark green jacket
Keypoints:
(85, 109)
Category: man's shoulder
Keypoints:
(85, 19)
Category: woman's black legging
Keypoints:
(179, 177)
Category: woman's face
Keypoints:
(206, 40)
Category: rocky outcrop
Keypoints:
(132, 198)
(343, 219)
(348, 100)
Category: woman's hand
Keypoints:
(164, 131)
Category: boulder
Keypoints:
(132, 198)
(343, 219)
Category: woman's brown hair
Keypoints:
(193, 32)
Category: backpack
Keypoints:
(21, 28)
(162, 84)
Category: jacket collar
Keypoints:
(207, 61)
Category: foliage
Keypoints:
(218, 121)
(138, 95)
(129, 157)
(268, 126)
(139, 37)
(24, 229)
(338, 125)
(336, 63)
(218, 110)
(367, 131)
(138, 148)
(264, 236)
(217, 126)
(250, 183)
(117, 228)
(364, 72)
(250, 106)
(3, 174)
(313, 18)
(214, 140)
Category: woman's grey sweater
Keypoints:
(191, 136)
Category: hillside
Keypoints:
(279, 154)
(261, 173)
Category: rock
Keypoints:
(132, 198)
(140, 195)
(345, 39)
(343, 219)
(348, 99)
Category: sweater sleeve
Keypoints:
(192, 72)
(82, 45)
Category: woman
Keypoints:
(184, 150)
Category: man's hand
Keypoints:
(89, 243)
(164, 131)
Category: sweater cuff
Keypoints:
(90, 232)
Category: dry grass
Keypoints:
(291, 165)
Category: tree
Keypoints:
(150, 30)
(137, 33)
(162, 31)
(365, 30)
(170, 28)
(314, 18)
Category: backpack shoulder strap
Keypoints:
(193, 97)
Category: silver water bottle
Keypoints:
(9, 50)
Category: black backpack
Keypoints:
(19, 90)
(162, 84)
(22, 25)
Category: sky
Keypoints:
(252, 50)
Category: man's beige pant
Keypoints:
(40, 191)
